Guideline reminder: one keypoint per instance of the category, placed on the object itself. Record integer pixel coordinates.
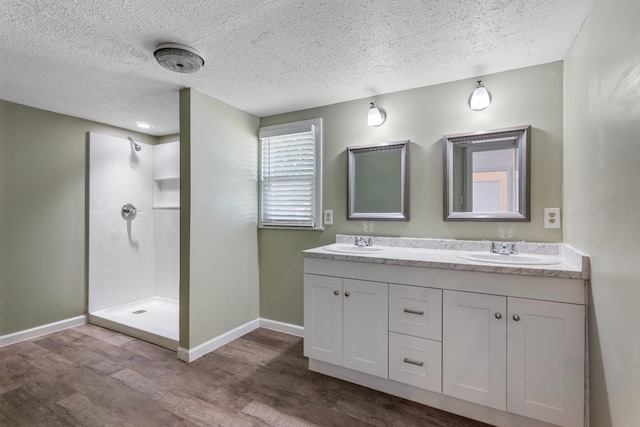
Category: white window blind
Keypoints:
(289, 175)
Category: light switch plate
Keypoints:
(551, 217)
(328, 217)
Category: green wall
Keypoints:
(42, 214)
(219, 248)
(526, 96)
(602, 200)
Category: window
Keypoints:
(291, 175)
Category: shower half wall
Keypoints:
(134, 263)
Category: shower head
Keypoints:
(135, 146)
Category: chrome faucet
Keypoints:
(504, 248)
(362, 242)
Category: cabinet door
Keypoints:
(366, 327)
(323, 318)
(415, 311)
(545, 364)
(474, 349)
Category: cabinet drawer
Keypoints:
(415, 361)
(415, 311)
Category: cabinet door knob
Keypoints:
(346, 294)
(516, 317)
(336, 292)
(498, 316)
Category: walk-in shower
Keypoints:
(134, 237)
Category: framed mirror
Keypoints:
(487, 175)
(378, 182)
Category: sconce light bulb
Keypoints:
(376, 116)
(480, 98)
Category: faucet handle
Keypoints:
(514, 250)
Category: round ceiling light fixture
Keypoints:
(179, 58)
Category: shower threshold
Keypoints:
(153, 319)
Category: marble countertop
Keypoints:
(447, 254)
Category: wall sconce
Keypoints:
(480, 98)
(376, 116)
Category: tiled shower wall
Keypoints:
(166, 223)
(166, 220)
(122, 254)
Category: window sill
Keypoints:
(282, 227)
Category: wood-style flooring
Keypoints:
(89, 376)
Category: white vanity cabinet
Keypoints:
(518, 355)
(505, 349)
(346, 323)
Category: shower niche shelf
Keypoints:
(166, 192)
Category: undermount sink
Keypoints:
(521, 259)
(345, 248)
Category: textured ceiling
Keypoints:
(94, 58)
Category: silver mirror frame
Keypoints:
(403, 214)
(522, 135)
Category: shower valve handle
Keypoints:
(129, 212)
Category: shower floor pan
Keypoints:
(154, 320)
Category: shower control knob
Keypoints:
(129, 212)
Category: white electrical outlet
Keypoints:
(328, 217)
(551, 217)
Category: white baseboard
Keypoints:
(38, 331)
(286, 328)
(189, 355)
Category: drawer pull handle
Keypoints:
(413, 362)
(419, 313)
